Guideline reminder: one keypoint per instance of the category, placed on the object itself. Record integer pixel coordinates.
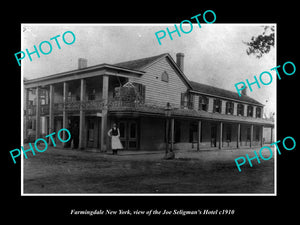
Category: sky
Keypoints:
(214, 54)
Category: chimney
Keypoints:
(244, 91)
(82, 63)
(180, 60)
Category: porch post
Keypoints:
(199, 135)
(262, 136)
(271, 134)
(238, 135)
(37, 114)
(251, 135)
(82, 115)
(51, 113)
(221, 135)
(103, 134)
(26, 113)
(65, 113)
(172, 134)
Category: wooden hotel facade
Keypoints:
(143, 97)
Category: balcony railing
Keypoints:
(90, 105)
(97, 105)
(44, 110)
(137, 105)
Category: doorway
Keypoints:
(213, 135)
(92, 132)
(129, 134)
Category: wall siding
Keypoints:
(159, 91)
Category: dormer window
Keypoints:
(165, 76)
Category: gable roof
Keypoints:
(222, 93)
(138, 64)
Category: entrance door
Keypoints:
(128, 134)
(213, 136)
(92, 133)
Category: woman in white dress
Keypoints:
(116, 144)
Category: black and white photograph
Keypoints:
(148, 116)
(150, 111)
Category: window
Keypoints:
(217, 105)
(248, 134)
(177, 131)
(193, 132)
(229, 108)
(29, 124)
(257, 133)
(240, 109)
(258, 112)
(92, 95)
(250, 111)
(69, 97)
(228, 133)
(165, 76)
(203, 103)
(187, 101)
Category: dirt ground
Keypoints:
(78, 172)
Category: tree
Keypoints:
(261, 44)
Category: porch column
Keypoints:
(103, 134)
(26, 113)
(238, 135)
(262, 136)
(272, 134)
(199, 135)
(37, 113)
(172, 134)
(65, 113)
(82, 115)
(51, 112)
(221, 135)
(251, 135)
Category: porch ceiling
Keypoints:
(187, 114)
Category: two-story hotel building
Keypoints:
(141, 96)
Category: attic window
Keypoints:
(165, 76)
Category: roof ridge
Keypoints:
(139, 63)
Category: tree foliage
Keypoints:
(261, 44)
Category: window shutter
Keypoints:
(215, 102)
(191, 101)
(200, 102)
(182, 100)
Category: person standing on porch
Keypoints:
(116, 144)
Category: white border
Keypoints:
(137, 194)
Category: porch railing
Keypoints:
(89, 105)
(140, 105)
